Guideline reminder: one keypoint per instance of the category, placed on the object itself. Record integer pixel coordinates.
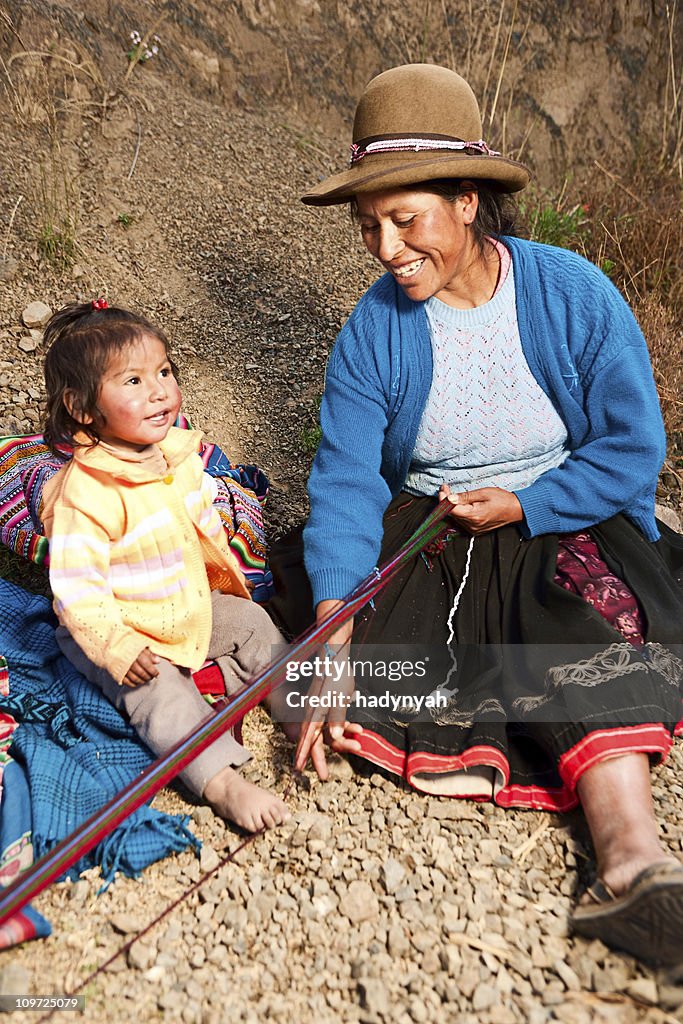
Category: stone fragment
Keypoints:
(359, 902)
(430, 961)
(197, 956)
(393, 874)
(27, 343)
(14, 980)
(206, 65)
(572, 1013)
(339, 768)
(155, 974)
(168, 1001)
(397, 941)
(415, 810)
(418, 1011)
(204, 911)
(451, 959)
(202, 815)
(451, 915)
(80, 890)
(670, 997)
(374, 996)
(669, 517)
(36, 314)
(644, 990)
(8, 268)
(569, 977)
(489, 849)
(483, 997)
(125, 924)
(140, 956)
(208, 859)
(321, 828)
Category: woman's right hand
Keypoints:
(484, 509)
(331, 725)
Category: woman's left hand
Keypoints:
(483, 509)
(312, 741)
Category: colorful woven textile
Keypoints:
(16, 854)
(7, 723)
(26, 463)
(76, 751)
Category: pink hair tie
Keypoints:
(99, 304)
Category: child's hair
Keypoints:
(81, 339)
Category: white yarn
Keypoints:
(454, 608)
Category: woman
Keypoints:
(512, 379)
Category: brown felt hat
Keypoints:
(416, 123)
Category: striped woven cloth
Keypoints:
(7, 723)
(26, 463)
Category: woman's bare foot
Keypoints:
(252, 808)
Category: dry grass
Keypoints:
(637, 225)
(636, 221)
(672, 115)
(46, 92)
(631, 225)
(664, 333)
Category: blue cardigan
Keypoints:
(583, 346)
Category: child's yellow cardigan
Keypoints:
(134, 556)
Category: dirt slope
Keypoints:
(174, 187)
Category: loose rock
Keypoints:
(36, 314)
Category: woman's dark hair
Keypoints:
(496, 213)
(80, 342)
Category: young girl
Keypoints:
(145, 585)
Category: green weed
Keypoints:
(554, 226)
(311, 438)
(311, 435)
(57, 243)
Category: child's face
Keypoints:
(139, 397)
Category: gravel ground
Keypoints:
(374, 903)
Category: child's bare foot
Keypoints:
(252, 808)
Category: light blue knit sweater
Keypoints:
(583, 346)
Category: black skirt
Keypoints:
(535, 685)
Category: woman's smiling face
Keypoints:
(422, 239)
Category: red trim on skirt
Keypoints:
(597, 746)
(650, 738)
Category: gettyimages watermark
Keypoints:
(336, 667)
(333, 672)
(378, 678)
(522, 683)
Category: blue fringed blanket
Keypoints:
(75, 749)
